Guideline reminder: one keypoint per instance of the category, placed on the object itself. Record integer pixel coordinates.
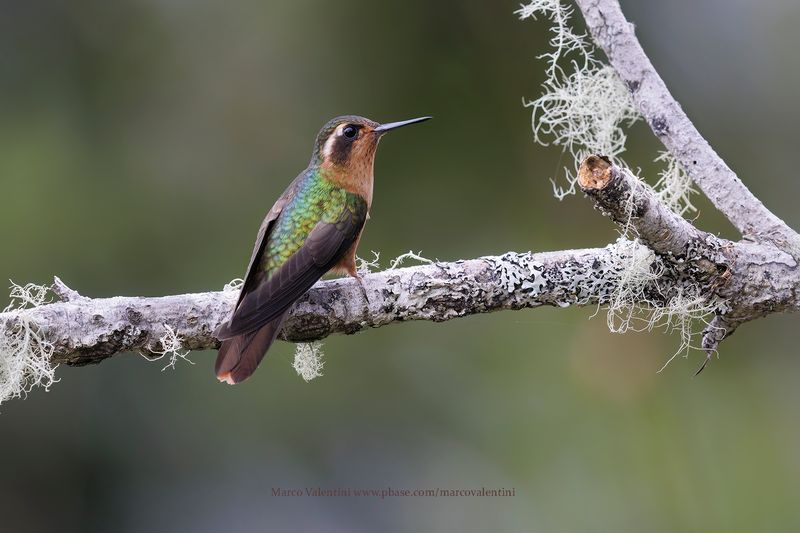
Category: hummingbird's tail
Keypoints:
(239, 356)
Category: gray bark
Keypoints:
(88, 330)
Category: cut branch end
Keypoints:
(595, 173)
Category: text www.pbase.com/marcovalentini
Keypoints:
(390, 492)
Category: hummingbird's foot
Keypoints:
(360, 281)
(363, 288)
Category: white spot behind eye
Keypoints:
(328, 148)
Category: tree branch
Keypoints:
(85, 330)
(615, 35)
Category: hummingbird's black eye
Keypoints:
(350, 131)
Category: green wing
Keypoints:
(275, 292)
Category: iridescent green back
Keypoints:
(316, 199)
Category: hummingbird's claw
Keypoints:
(354, 273)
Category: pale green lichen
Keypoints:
(409, 255)
(585, 107)
(24, 351)
(169, 346)
(366, 266)
(233, 285)
(674, 186)
(308, 360)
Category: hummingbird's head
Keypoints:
(348, 143)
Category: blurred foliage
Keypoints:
(141, 142)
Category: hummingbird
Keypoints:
(313, 228)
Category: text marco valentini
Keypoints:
(391, 492)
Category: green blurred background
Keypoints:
(141, 142)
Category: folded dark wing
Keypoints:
(322, 249)
(261, 241)
(263, 235)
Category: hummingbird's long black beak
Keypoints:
(383, 128)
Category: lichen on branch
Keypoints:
(25, 351)
(586, 108)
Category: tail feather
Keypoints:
(239, 356)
